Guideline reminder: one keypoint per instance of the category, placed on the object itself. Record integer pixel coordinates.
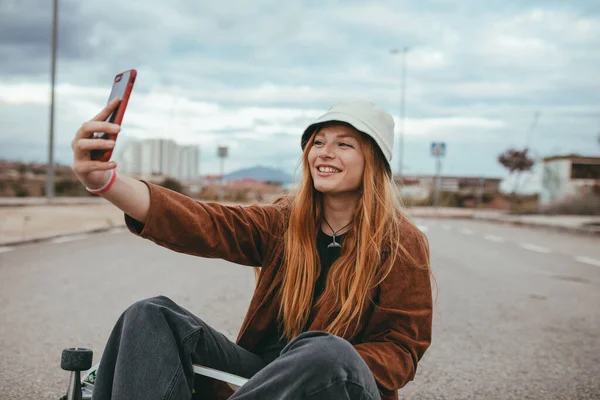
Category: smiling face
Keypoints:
(336, 160)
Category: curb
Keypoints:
(59, 201)
(558, 228)
(59, 235)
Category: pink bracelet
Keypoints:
(111, 180)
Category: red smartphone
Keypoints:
(122, 87)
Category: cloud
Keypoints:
(254, 74)
(25, 36)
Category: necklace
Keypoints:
(334, 243)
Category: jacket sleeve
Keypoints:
(399, 331)
(240, 234)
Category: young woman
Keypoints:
(342, 307)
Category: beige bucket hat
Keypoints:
(365, 117)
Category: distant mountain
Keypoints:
(261, 174)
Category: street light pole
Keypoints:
(437, 182)
(222, 152)
(50, 176)
(402, 113)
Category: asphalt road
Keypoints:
(517, 311)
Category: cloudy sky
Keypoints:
(252, 74)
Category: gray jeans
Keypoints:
(151, 349)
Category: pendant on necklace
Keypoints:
(334, 243)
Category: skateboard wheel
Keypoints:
(76, 359)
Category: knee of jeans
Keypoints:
(149, 306)
(152, 302)
(330, 353)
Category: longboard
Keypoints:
(234, 381)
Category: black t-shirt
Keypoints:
(271, 346)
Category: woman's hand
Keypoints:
(94, 174)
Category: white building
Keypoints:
(129, 158)
(159, 157)
(565, 177)
(189, 160)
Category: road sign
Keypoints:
(222, 151)
(438, 149)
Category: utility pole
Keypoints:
(50, 175)
(532, 127)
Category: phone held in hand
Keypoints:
(122, 87)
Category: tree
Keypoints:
(516, 162)
(173, 184)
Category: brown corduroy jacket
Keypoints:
(395, 329)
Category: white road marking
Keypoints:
(446, 227)
(588, 260)
(534, 247)
(6, 249)
(423, 228)
(71, 238)
(494, 238)
(466, 231)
